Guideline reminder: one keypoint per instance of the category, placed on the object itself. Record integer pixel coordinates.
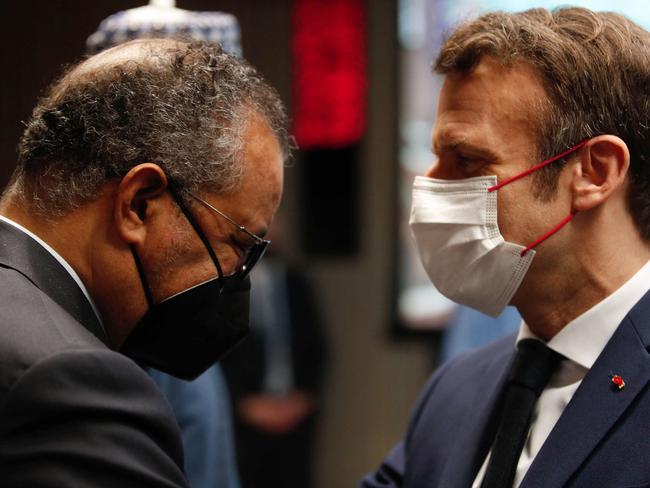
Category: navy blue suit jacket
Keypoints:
(601, 440)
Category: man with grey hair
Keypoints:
(146, 180)
(539, 198)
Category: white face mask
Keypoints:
(454, 224)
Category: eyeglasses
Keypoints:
(254, 253)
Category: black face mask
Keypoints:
(188, 332)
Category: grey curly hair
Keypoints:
(180, 105)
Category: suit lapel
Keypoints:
(20, 252)
(597, 404)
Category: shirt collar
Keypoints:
(61, 261)
(584, 338)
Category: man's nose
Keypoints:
(440, 171)
(430, 173)
(444, 170)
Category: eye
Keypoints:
(469, 164)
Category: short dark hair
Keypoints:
(595, 68)
(182, 106)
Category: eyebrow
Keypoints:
(461, 144)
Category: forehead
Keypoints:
(263, 161)
(257, 197)
(491, 104)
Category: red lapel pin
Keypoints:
(617, 381)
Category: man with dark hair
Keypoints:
(147, 176)
(538, 198)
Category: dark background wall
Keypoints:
(372, 379)
(38, 36)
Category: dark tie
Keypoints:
(531, 370)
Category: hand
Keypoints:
(275, 414)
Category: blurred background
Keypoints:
(356, 77)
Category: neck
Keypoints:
(580, 280)
(69, 235)
(83, 237)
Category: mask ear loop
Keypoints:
(197, 229)
(546, 162)
(536, 167)
(143, 276)
(537, 242)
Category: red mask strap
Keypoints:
(537, 242)
(536, 167)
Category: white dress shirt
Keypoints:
(581, 341)
(60, 259)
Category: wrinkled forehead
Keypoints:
(493, 93)
(507, 88)
(263, 159)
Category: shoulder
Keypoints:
(88, 414)
(33, 327)
(446, 407)
(453, 385)
(72, 411)
(96, 378)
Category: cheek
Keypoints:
(523, 219)
(520, 216)
(508, 215)
(179, 262)
(178, 275)
(228, 259)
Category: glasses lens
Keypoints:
(254, 255)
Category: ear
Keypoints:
(600, 171)
(142, 184)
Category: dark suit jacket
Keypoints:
(601, 440)
(73, 413)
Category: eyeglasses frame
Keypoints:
(254, 253)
